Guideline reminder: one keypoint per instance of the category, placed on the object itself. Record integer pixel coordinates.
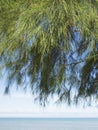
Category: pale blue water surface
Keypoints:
(48, 123)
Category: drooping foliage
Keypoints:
(53, 44)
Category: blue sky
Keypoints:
(20, 104)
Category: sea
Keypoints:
(48, 123)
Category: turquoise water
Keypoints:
(48, 123)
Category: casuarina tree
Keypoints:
(52, 46)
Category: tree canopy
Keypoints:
(53, 44)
